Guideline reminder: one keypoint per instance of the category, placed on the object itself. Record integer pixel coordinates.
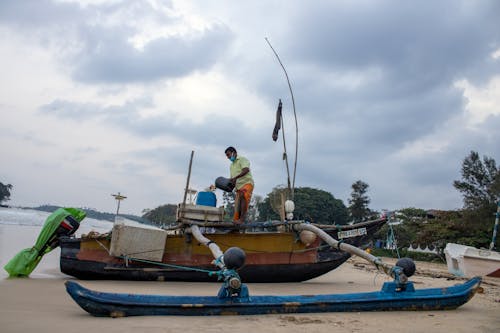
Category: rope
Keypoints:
(172, 265)
(102, 245)
(127, 258)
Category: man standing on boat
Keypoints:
(242, 178)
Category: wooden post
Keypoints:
(495, 228)
(118, 198)
(187, 184)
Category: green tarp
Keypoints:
(25, 261)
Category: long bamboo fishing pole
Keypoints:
(295, 116)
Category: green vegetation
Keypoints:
(5, 192)
(480, 184)
(473, 225)
(312, 205)
(228, 201)
(359, 201)
(480, 187)
(162, 215)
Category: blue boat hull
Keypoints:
(388, 299)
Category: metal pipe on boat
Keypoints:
(395, 272)
(214, 248)
(228, 265)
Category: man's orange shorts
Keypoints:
(242, 202)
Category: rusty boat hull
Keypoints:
(270, 257)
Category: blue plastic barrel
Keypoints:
(206, 199)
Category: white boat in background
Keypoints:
(454, 254)
(481, 262)
(468, 261)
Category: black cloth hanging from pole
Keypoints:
(277, 125)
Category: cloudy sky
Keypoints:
(100, 97)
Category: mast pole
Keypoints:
(187, 181)
(495, 227)
(296, 122)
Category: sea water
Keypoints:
(19, 229)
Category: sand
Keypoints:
(41, 304)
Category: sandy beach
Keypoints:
(40, 303)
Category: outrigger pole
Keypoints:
(403, 269)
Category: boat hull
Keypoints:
(481, 262)
(388, 299)
(270, 257)
(264, 268)
(468, 261)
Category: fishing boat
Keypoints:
(274, 252)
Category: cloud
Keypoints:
(392, 93)
(127, 117)
(35, 14)
(109, 57)
(84, 111)
(397, 66)
(103, 50)
(401, 38)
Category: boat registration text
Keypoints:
(352, 233)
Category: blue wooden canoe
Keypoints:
(388, 299)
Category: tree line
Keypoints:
(472, 225)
